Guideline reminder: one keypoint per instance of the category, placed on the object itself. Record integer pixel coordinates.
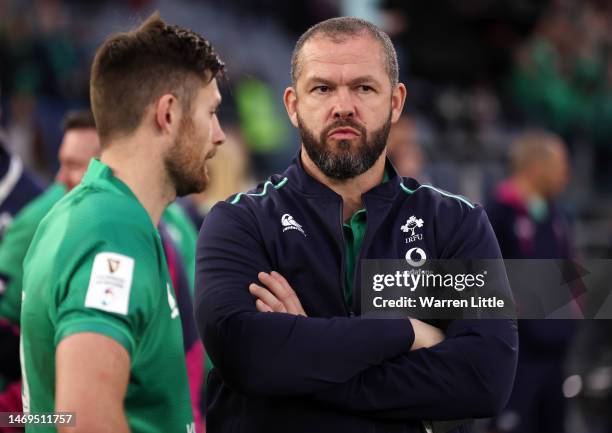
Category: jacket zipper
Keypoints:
(348, 312)
(357, 269)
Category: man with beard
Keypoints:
(278, 270)
(100, 326)
(79, 145)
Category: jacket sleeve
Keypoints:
(275, 353)
(470, 374)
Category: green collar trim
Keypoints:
(357, 218)
(439, 191)
(263, 192)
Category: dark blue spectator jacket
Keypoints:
(334, 371)
(17, 187)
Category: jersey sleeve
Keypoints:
(113, 290)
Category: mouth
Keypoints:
(343, 133)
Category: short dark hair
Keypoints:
(132, 69)
(78, 119)
(338, 30)
(532, 145)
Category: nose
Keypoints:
(343, 107)
(218, 134)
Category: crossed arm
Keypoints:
(373, 392)
(275, 295)
(357, 364)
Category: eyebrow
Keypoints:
(363, 79)
(358, 80)
(321, 80)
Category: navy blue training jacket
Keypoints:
(334, 371)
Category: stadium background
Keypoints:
(478, 72)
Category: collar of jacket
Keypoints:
(300, 180)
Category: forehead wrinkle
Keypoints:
(344, 59)
(338, 54)
(339, 59)
(360, 79)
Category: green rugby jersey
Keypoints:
(185, 238)
(14, 246)
(96, 264)
(19, 234)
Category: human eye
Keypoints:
(322, 88)
(365, 88)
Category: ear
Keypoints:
(290, 100)
(398, 97)
(167, 113)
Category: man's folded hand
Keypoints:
(276, 295)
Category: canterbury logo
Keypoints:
(113, 265)
(290, 224)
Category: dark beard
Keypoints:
(182, 166)
(346, 164)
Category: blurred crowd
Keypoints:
(479, 73)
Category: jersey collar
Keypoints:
(97, 171)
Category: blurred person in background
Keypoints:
(404, 150)
(79, 145)
(529, 225)
(17, 185)
(123, 327)
(524, 213)
(17, 188)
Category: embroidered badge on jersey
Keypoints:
(110, 283)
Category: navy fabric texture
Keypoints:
(335, 371)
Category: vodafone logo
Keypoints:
(416, 257)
